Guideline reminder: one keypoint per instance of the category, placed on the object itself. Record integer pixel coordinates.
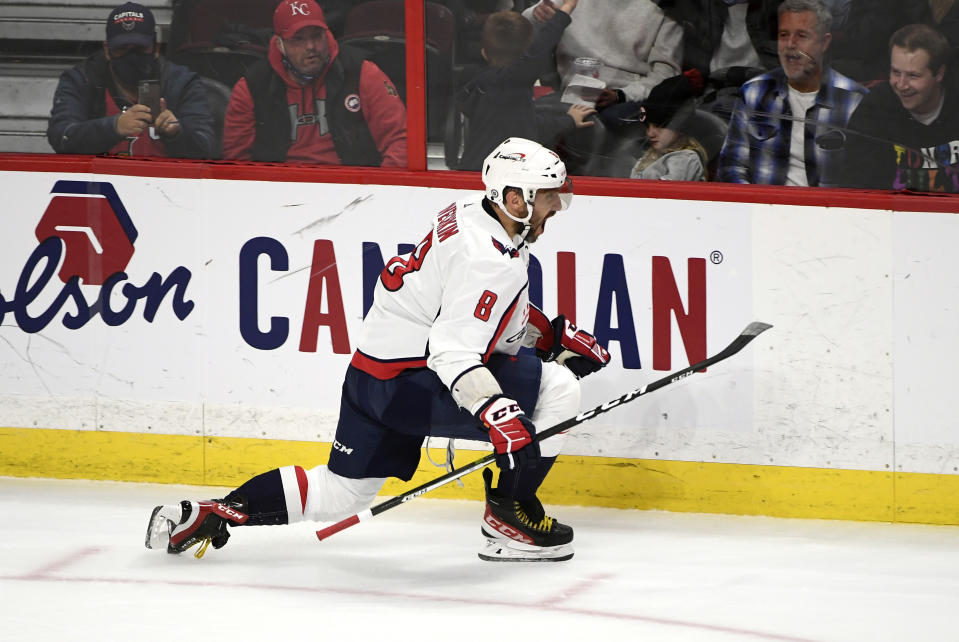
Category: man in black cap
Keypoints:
(97, 108)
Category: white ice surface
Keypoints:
(73, 567)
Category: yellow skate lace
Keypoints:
(544, 525)
(201, 549)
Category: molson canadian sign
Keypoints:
(87, 237)
(239, 294)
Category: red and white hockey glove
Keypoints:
(510, 431)
(569, 346)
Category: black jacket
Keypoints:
(703, 22)
(79, 125)
(886, 148)
(351, 135)
(860, 49)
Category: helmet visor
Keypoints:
(566, 194)
(554, 198)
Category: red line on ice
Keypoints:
(43, 576)
(44, 572)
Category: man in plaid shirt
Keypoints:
(788, 124)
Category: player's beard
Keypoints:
(535, 231)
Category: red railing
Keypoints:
(415, 86)
(587, 186)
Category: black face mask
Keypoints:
(134, 66)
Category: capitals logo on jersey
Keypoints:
(513, 252)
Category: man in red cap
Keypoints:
(313, 101)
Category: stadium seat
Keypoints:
(217, 98)
(378, 28)
(220, 39)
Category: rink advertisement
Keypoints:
(231, 309)
(204, 313)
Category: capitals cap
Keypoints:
(131, 24)
(292, 15)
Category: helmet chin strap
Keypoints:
(525, 222)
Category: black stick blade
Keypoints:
(756, 328)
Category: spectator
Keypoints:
(860, 47)
(905, 132)
(941, 10)
(498, 102)
(471, 16)
(840, 13)
(96, 108)
(786, 128)
(673, 154)
(314, 101)
(727, 41)
(943, 15)
(636, 44)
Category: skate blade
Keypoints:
(498, 550)
(158, 529)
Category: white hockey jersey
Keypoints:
(459, 297)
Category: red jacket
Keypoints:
(382, 107)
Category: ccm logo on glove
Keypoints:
(510, 431)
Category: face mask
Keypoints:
(134, 66)
(293, 70)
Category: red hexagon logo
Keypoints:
(96, 231)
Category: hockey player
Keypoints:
(438, 355)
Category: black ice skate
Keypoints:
(180, 526)
(520, 531)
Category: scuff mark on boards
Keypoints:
(325, 219)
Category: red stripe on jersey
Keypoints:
(303, 484)
(501, 328)
(384, 370)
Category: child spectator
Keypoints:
(673, 154)
(498, 102)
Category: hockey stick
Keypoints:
(751, 332)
